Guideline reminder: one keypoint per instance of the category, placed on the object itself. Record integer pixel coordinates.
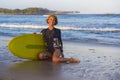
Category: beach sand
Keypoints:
(98, 62)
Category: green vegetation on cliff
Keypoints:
(33, 11)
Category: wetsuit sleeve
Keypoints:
(61, 48)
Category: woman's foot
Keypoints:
(73, 60)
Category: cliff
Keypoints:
(33, 11)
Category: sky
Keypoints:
(84, 6)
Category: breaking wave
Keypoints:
(61, 27)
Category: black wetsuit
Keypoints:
(53, 39)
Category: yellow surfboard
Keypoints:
(27, 46)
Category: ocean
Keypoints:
(87, 28)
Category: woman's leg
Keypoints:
(56, 57)
(45, 55)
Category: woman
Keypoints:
(53, 42)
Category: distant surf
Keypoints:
(61, 27)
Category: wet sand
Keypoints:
(98, 62)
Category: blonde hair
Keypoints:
(55, 17)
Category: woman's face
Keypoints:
(51, 21)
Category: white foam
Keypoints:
(60, 27)
(21, 26)
(91, 29)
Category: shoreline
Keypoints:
(5, 39)
(91, 43)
